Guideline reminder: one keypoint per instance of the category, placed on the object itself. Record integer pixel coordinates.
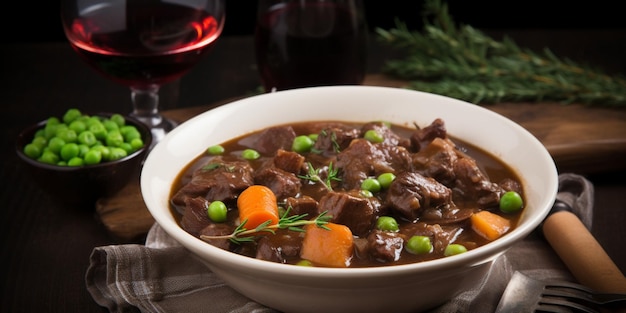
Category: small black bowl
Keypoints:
(83, 185)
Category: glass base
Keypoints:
(159, 126)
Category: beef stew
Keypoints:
(438, 185)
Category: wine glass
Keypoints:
(304, 43)
(143, 44)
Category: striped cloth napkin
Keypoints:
(162, 276)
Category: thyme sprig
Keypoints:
(462, 62)
(294, 223)
(316, 175)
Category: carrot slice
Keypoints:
(328, 247)
(490, 225)
(257, 205)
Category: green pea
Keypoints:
(98, 130)
(32, 150)
(215, 150)
(314, 136)
(127, 147)
(53, 121)
(82, 150)
(114, 138)
(419, 245)
(67, 135)
(110, 125)
(104, 151)
(116, 153)
(511, 202)
(136, 144)
(387, 223)
(93, 156)
(78, 126)
(71, 114)
(302, 144)
(77, 161)
(366, 193)
(385, 179)
(93, 120)
(371, 184)
(87, 138)
(69, 151)
(50, 130)
(373, 136)
(305, 263)
(130, 132)
(453, 249)
(217, 211)
(41, 141)
(49, 157)
(118, 119)
(55, 144)
(250, 154)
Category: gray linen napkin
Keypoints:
(162, 276)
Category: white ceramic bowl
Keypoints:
(403, 288)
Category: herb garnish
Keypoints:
(315, 175)
(294, 223)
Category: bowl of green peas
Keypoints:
(78, 157)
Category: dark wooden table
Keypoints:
(46, 247)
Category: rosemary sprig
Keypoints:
(294, 223)
(315, 175)
(464, 63)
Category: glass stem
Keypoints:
(146, 105)
(146, 109)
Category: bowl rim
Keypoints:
(481, 254)
(29, 131)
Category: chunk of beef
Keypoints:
(447, 214)
(422, 137)
(437, 160)
(335, 138)
(217, 180)
(194, 217)
(282, 183)
(302, 205)
(289, 161)
(280, 247)
(350, 209)
(509, 184)
(385, 246)
(274, 138)
(472, 185)
(410, 193)
(440, 236)
(363, 159)
(388, 135)
(218, 229)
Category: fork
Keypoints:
(525, 294)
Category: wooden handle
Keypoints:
(582, 254)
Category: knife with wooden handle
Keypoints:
(581, 253)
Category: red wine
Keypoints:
(140, 45)
(323, 44)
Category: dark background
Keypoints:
(43, 24)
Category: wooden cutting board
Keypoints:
(581, 139)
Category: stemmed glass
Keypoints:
(304, 43)
(143, 44)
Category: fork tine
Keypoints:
(546, 302)
(574, 294)
(549, 308)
